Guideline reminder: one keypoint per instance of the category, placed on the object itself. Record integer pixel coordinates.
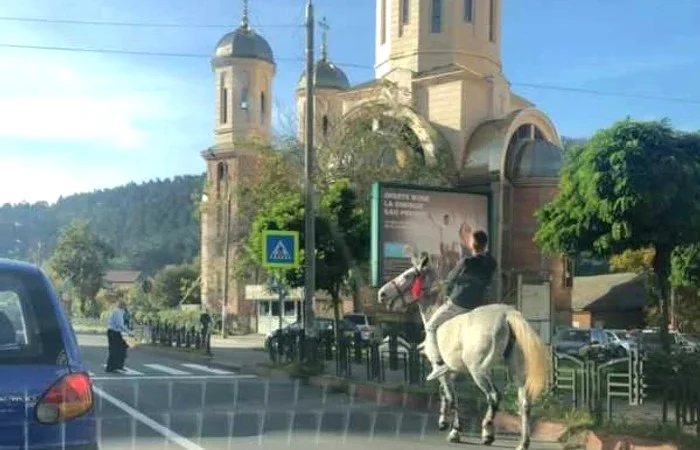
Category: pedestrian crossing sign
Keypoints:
(280, 249)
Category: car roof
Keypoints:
(19, 266)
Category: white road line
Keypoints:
(179, 378)
(166, 369)
(207, 369)
(152, 424)
(127, 371)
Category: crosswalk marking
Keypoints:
(174, 370)
(166, 369)
(207, 369)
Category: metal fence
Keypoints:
(173, 335)
(665, 386)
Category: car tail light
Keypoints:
(68, 398)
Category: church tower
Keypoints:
(329, 80)
(244, 68)
(420, 35)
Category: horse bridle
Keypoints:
(402, 292)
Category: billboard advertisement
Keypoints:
(407, 220)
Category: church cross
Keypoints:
(323, 24)
(245, 20)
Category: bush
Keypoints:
(179, 317)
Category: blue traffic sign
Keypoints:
(280, 249)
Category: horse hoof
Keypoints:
(453, 436)
(488, 440)
(442, 426)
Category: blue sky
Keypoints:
(73, 122)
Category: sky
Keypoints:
(73, 121)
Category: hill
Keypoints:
(149, 225)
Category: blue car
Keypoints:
(46, 396)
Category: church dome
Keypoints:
(244, 43)
(327, 76)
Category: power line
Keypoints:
(609, 93)
(145, 53)
(349, 65)
(134, 24)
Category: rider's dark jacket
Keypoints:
(467, 282)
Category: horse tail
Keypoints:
(535, 354)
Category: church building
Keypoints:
(440, 62)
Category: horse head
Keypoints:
(413, 285)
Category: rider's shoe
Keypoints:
(439, 370)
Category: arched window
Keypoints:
(324, 126)
(263, 108)
(492, 20)
(221, 175)
(245, 91)
(223, 99)
(436, 16)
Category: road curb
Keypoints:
(541, 430)
(604, 441)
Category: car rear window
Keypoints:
(29, 330)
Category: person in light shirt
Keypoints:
(117, 346)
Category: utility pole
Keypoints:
(310, 211)
(227, 259)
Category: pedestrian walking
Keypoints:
(117, 346)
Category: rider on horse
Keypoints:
(465, 287)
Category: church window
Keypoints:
(492, 20)
(245, 84)
(382, 20)
(223, 100)
(405, 11)
(244, 98)
(324, 126)
(221, 173)
(436, 25)
(469, 10)
(263, 109)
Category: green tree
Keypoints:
(341, 237)
(81, 258)
(376, 145)
(171, 283)
(633, 186)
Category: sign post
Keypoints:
(280, 251)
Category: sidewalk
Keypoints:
(239, 352)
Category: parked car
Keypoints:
(46, 395)
(573, 341)
(623, 339)
(368, 330)
(650, 342)
(320, 324)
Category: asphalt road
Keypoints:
(164, 403)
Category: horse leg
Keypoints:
(456, 424)
(516, 365)
(493, 399)
(444, 406)
(451, 400)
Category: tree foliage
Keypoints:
(378, 144)
(341, 236)
(81, 258)
(172, 283)
(149, 225)
(633, 186)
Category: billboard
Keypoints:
(407, 220)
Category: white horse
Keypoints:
(473, 343)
